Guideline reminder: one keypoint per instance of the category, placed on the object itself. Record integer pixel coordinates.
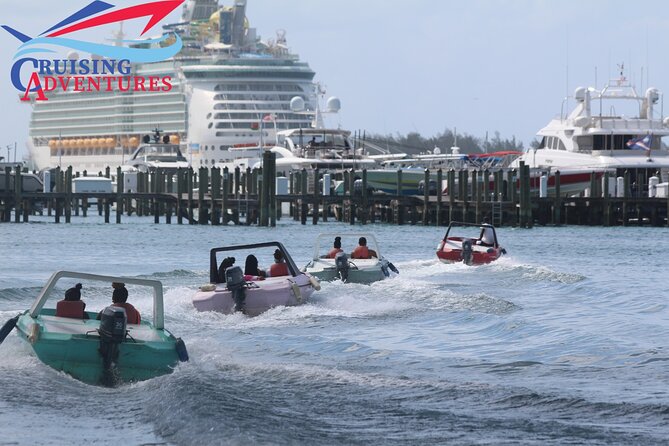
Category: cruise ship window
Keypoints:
(208, 115)
(210, 125)
(221, 148)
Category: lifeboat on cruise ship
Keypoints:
(253, 290)
(471, 249)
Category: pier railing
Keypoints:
(504, 197)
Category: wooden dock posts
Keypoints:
(220, 197)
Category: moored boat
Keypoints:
(472, 250)
(231, 290)
(351, 268)
(157, 152)
(109, 351)
(615, 129)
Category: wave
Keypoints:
(19, 294)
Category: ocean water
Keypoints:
(565, 340)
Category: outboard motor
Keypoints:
(113, 322)
(341, 262)
(235, 283)
(467, 252)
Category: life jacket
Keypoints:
(278, 269)
(333, 253)
(361, 252)
(130, 312)
(70, 308)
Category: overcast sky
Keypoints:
(423, 65)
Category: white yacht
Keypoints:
(311, 147)
(612, 129)
(225, 81)
(157, 152)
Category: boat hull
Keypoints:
(261, 295)
(72, 346)
(363, 271)
(451, 252)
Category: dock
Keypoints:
(220, 197)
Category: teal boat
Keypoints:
(108, 351)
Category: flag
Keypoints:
(641, 143)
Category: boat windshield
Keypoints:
(322, 141)
(160, 152)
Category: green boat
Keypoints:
(105, 352)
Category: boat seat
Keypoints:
(279, 269)
(70, 308)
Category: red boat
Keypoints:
(471, 250)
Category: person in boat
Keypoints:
(225, 264)
(362, 251)
(251, 270)
(312, 144)
(119, 299)
(279, 267)
(335, 250)
(72, 306)
(487, 237)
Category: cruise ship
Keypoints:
(225, 81)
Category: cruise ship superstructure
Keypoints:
(226, 82)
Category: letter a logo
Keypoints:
(34, 80)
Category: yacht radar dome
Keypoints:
(333, 105)
(653, 95)
(436, 151)
(579, 94)
(297, 104)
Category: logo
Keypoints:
(111, 67)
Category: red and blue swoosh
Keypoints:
(94, 15)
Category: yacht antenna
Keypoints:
(566, 86)
(647, 63)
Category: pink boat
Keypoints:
(231, 290)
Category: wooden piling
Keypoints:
(316, 199)
(225, 195)
(214, 195)
(203, 186)
(304, 197)
(189, 189)
(557, 203)
(365, 198)
(440, 197)
(426, 196)
(18, 191)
